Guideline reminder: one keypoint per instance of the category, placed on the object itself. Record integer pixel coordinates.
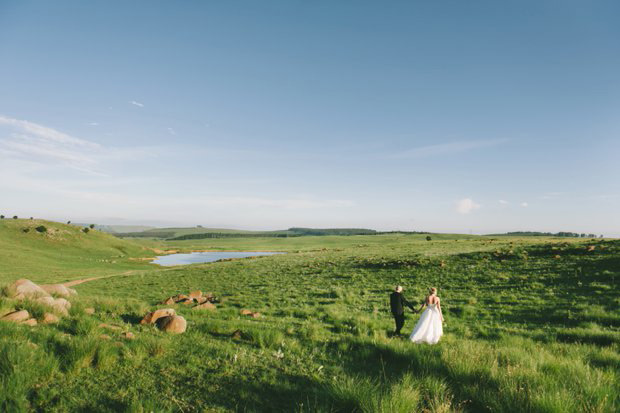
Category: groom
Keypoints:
(397, 304)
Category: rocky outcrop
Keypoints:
(23, 288)
(59, 289)
(172, 324)
(49, 318)
(16, 316)
(152, 317)
(60, 305)
(205, 306)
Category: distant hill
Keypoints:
(203, 233)
(113, 229)
(32, 248)
(547, 234)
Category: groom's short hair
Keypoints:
(398, 288)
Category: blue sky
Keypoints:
(444, 116)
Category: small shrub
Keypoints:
(85, 230)
(428, 238)
(41, 228)
(25, 230)
(92, 226)
(14, 216)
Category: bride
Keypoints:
(429, 328)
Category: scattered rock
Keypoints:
(89, 310)
(59, 304)
(250, 313)
(128, 335)
(26, 289)
(168, 301)
(195, 294)
(30, 322)
(557, 257)
(591, 248)
(205, 306)
(151, 318)
(105, 337)
(16, 316)
(59, 289)
(49, 318)
(187, 301)
(172, 324)
(110, 326)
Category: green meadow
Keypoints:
(532, 325)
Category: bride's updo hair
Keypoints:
(432, 290)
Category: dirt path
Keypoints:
(85, 280)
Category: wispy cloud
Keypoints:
(172, 132)
(93, 123)
(448, 148)
(524, 204)
(467, 205)
(35, 143)
(138, 104)
(503, 202)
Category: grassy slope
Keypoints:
(525, 331)
(62, 253)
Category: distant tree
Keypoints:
(583, 235)
(428, 238)
(1, 216)
(25, 229)
(85, 230)
(92, 226)
(41, 228)
(14, 216)
(68, 222)
(31, 218)
(198, 226)
(601, 236)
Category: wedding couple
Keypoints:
(429, 328)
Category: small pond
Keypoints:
(210, 256)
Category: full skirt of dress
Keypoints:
(429, 328)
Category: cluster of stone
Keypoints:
(196, 299)
(166, 319)
(44, 294)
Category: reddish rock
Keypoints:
(151, 318)
(26, 289)
(16, 316)
(180, 297)
(205, 306)
(172, 324)
(59, 289)
(591, 248)
(49, 318)
(168, 301)
(202, 300)
(246, 312)
(187, 301)
(256, 315)
(128, 335)
(89, 310)
(30, 322)
(105, 337)
(195, 294)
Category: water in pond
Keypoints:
(211, 256)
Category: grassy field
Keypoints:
(532, 324)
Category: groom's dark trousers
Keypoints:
(397, 305)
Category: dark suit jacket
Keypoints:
(398, 303)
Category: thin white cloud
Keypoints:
(467, 205)
(138, 104)
(35, 143)
(524, 204)
(448, 148)
(44, 132)
(503, 202)
(172, 132)
(93, 123)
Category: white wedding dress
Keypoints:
(429, 328)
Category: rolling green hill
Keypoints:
(49, 251)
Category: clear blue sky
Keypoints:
(444, 116)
